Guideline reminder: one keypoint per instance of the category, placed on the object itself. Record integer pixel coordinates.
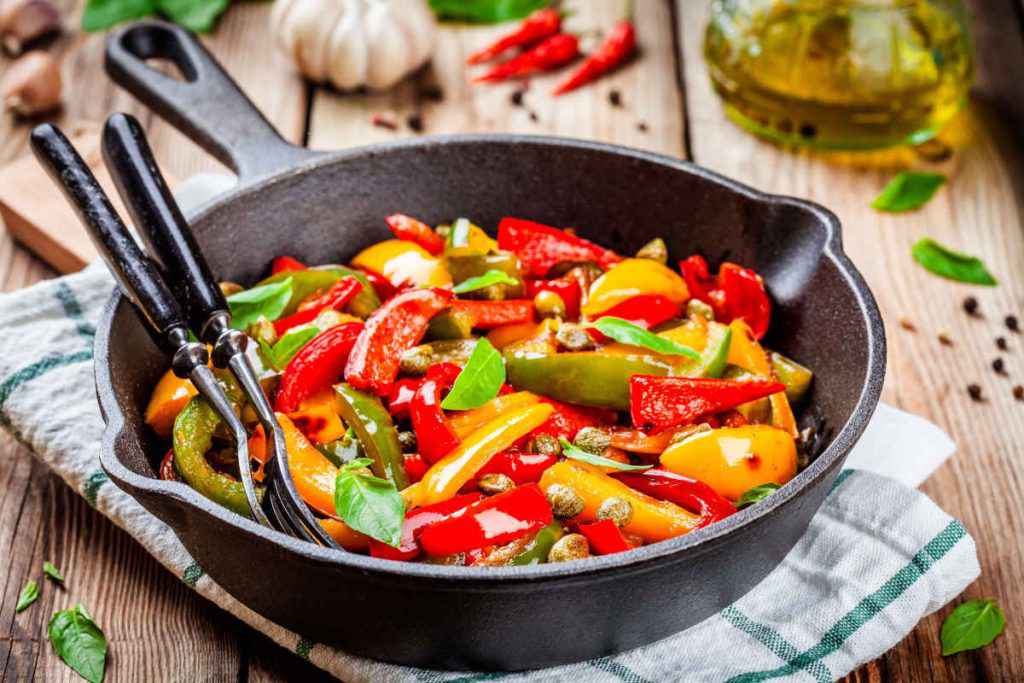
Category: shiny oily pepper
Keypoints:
(549, 304)
(616, 509)
(564, 501)
(569, 547)
(655, 250)
(495, 483)
(574, 337)
(545, 444)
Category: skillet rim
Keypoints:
(696, 542)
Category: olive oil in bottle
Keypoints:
(840, 74)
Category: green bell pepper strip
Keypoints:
(370, 420)
(311, 280)
(796, 377)
(537, 551)
(713, 358)
(464, 263)
(450, 324)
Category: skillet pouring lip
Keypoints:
(825, 462)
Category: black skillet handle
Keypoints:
(207, 105)
(160, 222)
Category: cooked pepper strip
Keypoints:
(317, 418)
(316, 366)
(395, 327)
(691, 494)
(631, 278)
(313, 473)
(347, 537)
(539, 247)
(646, 310)
(663, 402)
(604, 537)
(745, 352)
(339, 294)
(434, 436)
(492, 521)
(567, 420)
(366, 415)
(415, 466)
(548, 54)
(487, 315)
(536, 552)
(415, 520)
(171, 395)
(467, 422)
(400, 398)
(539, 25)
(384, 289)
(521, 468)
(286, 264)
(408, 228)
(736, 292)
(310, 281)
(616, 48)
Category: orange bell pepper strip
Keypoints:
(168, 399)
(317, 417)
(465, 423)
(745, 352)
(347, 537)
(313, 473)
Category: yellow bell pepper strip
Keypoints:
(500, 337)
(168, 399)
(403, 264)
(734, 459)
(444, 479)
(653, 520)
(745, 352)
(313, 473)
(347, 537)
(318, 279)
(634, 277)
(468, 421)
(369, 419)
(317, 417)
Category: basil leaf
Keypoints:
(951, 264)
(369, 504)
(485, 11)
(268, 301)
(491, 277)
(79, 642)
(29, 594)
(102, 14)
(287, 346)
(479, 381)
(458, 236)
(756, 495)
(195, 15)
(574, 453)
(50, 570)
(908, 191)
(627, 333)
(974, 624)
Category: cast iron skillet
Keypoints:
(323, 207)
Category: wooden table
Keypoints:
(160, 631)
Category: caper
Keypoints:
(545, 444)
(655, 250)
(549, 304)
(564, 501)
(416, 360)
(407, 440)
(569, 547)
(695, 308)
(574, 337)
(592, 440)
(263, 331)
(616, 509)
(495, 483)
(229, 288)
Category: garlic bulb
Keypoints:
(355, 43)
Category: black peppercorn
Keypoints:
(999, 366)
(615, 98)
(945, 339)
(642, 127)
(971, 305)
(974, 391)
(516, 98)
(1012, 324)
(1001, 343)
(1018, 392)
(415, 122)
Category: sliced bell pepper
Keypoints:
(317, 418)
(400, 398)
(313, 473)
(166, 469)
(646, 310)
(415, 466)
(367, 417)
(336, 298)
(712, 339)
(285, 264)
(536, 552)
(635, 441)
(631, 278)
(539, 247)
(347, 537)
(408, 228)
(796, 377)
(663, 402)
(566, 288)
(434, 436)
(521, 468)
(310, 281)
(450, 324)
(492, 521)
(403, 264)
(487, 315)
(468, 421)
(393, 328)
(466, 262)
(733, 460)
(735, 293)
(745, 352)
(169, 397)
(384, 289)
(316, 366)
(465, 237)
(604, 537)
(691, 494)
(416, 520)
(568, 420)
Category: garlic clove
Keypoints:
(391, 53)
(420, 25)
(308, 29)
(22, 21)
(348, 50)
(31, 84)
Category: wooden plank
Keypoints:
(648, 88)
(980, 211)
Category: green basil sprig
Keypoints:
(952, 264)
(485, 11)
(574, 453)
(281, 353)
(908, 191)
(50, 570)
(268, 301)
(491, 277)
(479, 381)
(974, 624)
(627, 333)
(195, 15)
(29, 594)
(756, 495)
(79, 642)
(369, 504)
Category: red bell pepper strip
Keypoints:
(669, 401)
(736, 292)
(691, 494)
(284, 264)
(492, 521)
(539, 247)
(566, 288)
(415, 520)
(613, 51)
(567, 419)
(166, 471)
(434, 437)
(521, 468)
(539, 25)
(604, 537)
(393, 328)
(412, 230)
(335, 298)
(316, 366)
(381, 285)
(553, 51)
(400, 398)
(646, 310)
(487, 315)
(415, 466)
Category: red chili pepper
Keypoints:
(492, 521)
(551, 52)
(539, 247)
(415, 520)
(434, 437)
(694, 495)
(539, 25)
(736, 292)
(521, 468)
(384, 289)
(395, 327)
(166, 470)
(566, 288)
(567, 420)
(284, 264)
(613, 51)
(415, 466)
(316, 366)
(669, 401)
(408, 228)
(604, 537)
(401, 395)
(339, 294)
(487, 315)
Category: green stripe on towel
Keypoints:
(73, 310)
(773, 641)
(38, 369)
